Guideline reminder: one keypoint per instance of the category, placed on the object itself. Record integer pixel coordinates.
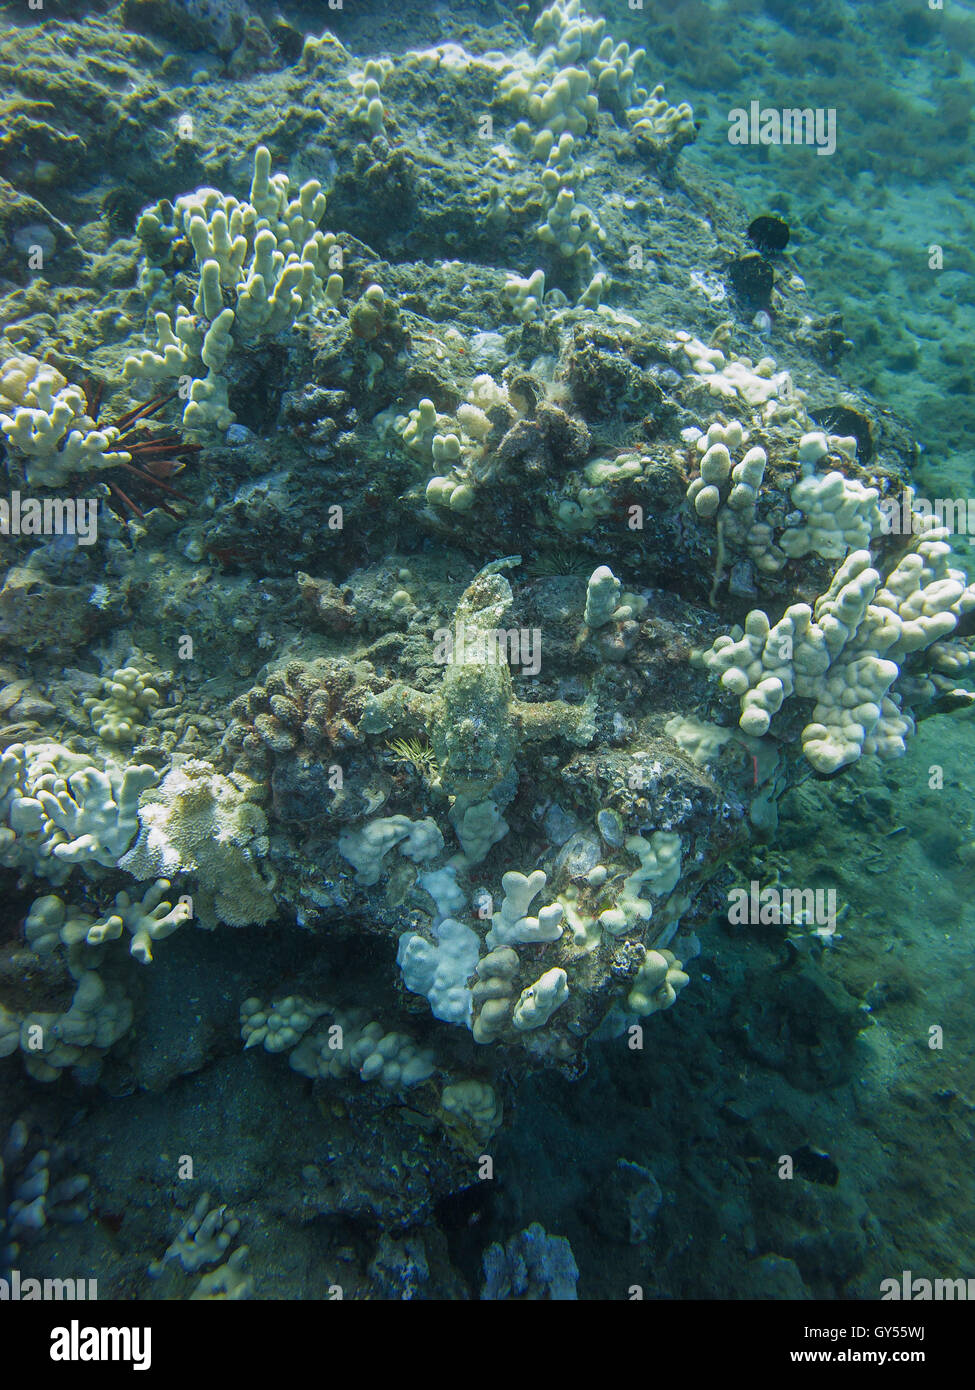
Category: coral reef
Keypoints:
(536, 570)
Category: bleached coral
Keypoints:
(344, 1043)
(98, 1015)
(227, 1282)
(701, 740)
(178, 347)
(267, 253)
(656, 984)
(660, 863)
(578, 67)
(659, 122)
(539, 1001)
(440, 972)
(368, 105)
(202, 823)
(526, 296)
(458, 444)
(151, 918)
(279, 1025)
(555, 96)
(570, 227)
(478, 828)
(841, 515)
(203, 1239)
(730, 492)
(471, 1112)
(58, 809)
(420, 427)
(761, 385)
(35, 1191)
(51, 922)
(602, 597)
(511, 924)
(125, 697)
(349, 1045)
(493, 993)
(45, 420)
(845, 653)
(557, 91)
(367, 847)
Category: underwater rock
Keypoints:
(752, 280)
(844, 420)
(36, 614)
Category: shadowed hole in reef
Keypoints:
(465, 1219)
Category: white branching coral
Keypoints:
(841, 515)
(367, 847)
(368, 104)
(146, 920)
(602, 597)
(525, 296)
(440, 971)
(659, 869)
(576, 69)
(202, 1240)
(45, 421)
(51, 1041)
(266, 254)
(736, 379)
(453, 444)
(656, 984)
(471, 1111)
(539, 1001)
(58, 809)
(845, 653)
(511, 925)
(730, 491)
(557, 91)
(570, 227)
(493, 993)
(603, 593)
(51, 922)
